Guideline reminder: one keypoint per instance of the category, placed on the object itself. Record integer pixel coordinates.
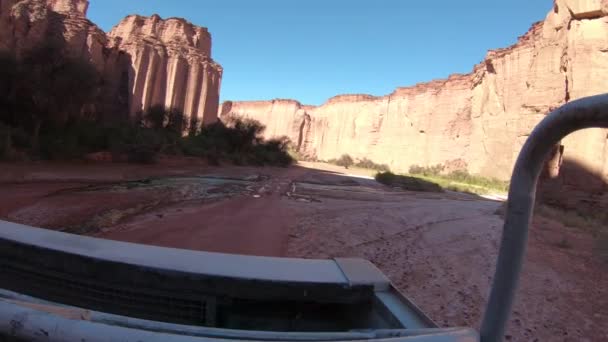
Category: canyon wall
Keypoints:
(171, 65)
(143, 61)
(27, 24)
(477, 121)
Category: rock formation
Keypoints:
(26, 24)
(143, 61)
(477, 121)
(171, 65)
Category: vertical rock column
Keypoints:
(171, 66)
(193, 92)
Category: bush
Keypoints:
(168, 119)
(56, 91)
(145, 146)
(386, 178)
(239, 141)
(459, 180)
(73, 140)
(465, 177)
(407, 182)
(345, 160)
(272, 152)
(137, 143)
(426, 170)
(368, 164)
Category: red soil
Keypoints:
(439, 249)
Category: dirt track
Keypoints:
(438, 248)
(256, 224)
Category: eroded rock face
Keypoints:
(171, 65)
(143, 61)
(70, 7)
(477, 121)
(26, 24)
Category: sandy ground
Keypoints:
(439, 249)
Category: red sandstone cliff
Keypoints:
(476, 121)
(144, 61)
(171, 65)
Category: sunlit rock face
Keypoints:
(144, 61)
(477, 121)
(25, 24)
(171, 65)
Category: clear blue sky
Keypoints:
(310, 50)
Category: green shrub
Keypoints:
(387, 178)
(145, 146)
(407, 182)
(368, 164)
(295, 155)
(238, 141)
(426, 170)
(73, 140)
(465, 177)
(345, 160)
(161, 118)
(272, 152)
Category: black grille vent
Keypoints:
(133, 302)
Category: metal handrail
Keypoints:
(583, 113)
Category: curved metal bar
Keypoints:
(27, 323)
(583, 113)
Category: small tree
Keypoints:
(242, 134)
(155, 117)
(345, 160)
(176, 122)
(170, 119)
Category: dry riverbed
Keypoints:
(438, 248)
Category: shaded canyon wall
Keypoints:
(28, 24)
(171, 65)
(143, 61)
(477, 121)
